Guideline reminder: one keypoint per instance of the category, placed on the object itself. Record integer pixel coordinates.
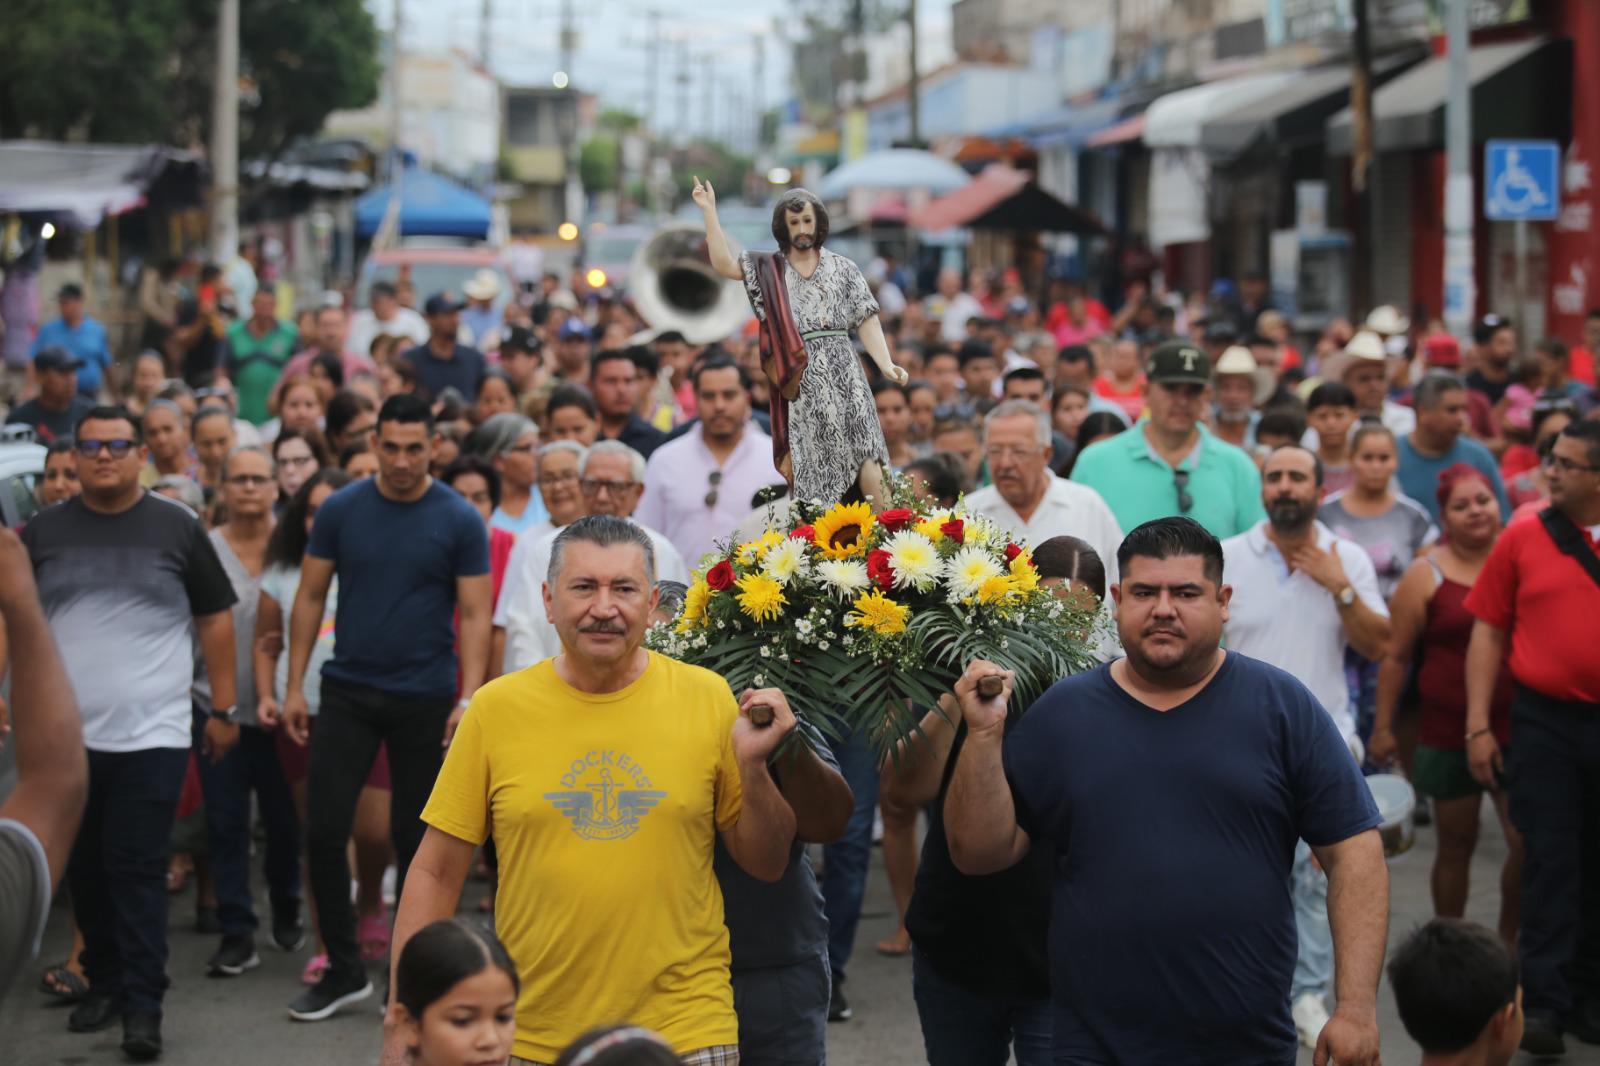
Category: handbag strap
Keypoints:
(1571, 540)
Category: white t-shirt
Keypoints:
(1289, 620)
(1068, 509)
(406, 324)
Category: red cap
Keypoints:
(1441, 349)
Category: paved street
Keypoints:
(242, 1023)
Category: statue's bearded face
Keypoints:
(802, 226)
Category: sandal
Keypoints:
(315, 967)
(63, 984)
(372, 932)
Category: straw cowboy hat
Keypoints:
(1387, 321)
(1238, 360)
(484, 285)
(1365, 346)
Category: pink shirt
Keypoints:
(353, 364)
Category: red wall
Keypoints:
(1573, 242)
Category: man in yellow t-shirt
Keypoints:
(605, 775)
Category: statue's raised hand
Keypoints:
(704, 195)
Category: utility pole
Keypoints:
(709, 84)
(225, 137)
(394, 90)
(485, 22)
(914, 77)
(1361, 154)
(652, 110)
(569, 124)
(1459, 298)
(758, 94)
(683, 91)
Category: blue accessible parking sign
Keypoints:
(1522, 181)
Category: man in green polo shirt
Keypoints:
(1169, 463)
(257, 349)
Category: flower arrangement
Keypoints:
(857, 614)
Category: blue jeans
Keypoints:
(118, 872)
(1313, 964)
(844, 873)
(252, 766)
(961, 1028)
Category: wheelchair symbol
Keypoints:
(1515, 191)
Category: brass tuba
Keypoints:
(674, 287)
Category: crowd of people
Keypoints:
(399, 612)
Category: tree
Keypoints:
(598, 161)
(142, 70)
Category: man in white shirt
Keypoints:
(700, 486)
(1029, 501)
(611, 478)
(1301, 596)
(387, 318)
(953, 307)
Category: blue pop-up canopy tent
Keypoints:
(430, 206)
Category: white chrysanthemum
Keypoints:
(967, 570)
(845, 577)
(914, 558)
(785, 559)
(979, 530)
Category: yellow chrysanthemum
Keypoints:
(996, 589)
(694, 605)
(842, 532)
(1024, 575)
(879, 613)
(760, 597)
(750, 551)
(929, 527)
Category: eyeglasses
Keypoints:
(714, 480)
(117, 449)
(249, 479)
(593, 486)
(1006, 451)
(1180, 479)
(1567, 466)
(558, 479)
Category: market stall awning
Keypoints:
(430, 206)
(1176, 119)
(894, 168)
(1070, 124)
(1294, 115)
(87, 182)
(1519, 89)
(1003, 198)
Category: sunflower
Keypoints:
(879, 613)
(1024, 575)
(694, 605)
(760, 597)
(842, 532)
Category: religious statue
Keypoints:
(825, 434)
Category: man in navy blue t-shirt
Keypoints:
(1173, 785)
(408, 552)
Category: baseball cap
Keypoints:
(56, 357)
(522, 339)
(441, 303)
(1441, 349)
(1180, 363)
(573, 327)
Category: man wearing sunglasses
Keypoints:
(128, 579)
(1169, 463)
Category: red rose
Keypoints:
(1012, 551)
(896, 520)
(879, 570)
(806, 533)
(720, 577)
(955, 529)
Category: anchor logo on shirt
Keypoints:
(603, 808)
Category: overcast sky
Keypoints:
(613, 39)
